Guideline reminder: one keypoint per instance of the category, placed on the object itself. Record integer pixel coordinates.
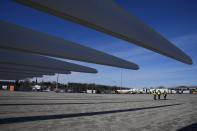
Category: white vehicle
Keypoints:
(36, 88)
(4, 87)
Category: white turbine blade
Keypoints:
(12, 77)
(27, 59)
(32, 69)
(12, 74)
(25, 72)
(19, 38)
(106, 16)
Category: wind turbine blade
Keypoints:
(19, 38)
(106, 16)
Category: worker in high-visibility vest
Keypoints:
(164, 95)
(154, 95)
(159, 94)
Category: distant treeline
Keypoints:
(79, 87)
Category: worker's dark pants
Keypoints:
(154, 97)
(164, 97)
(159, 97)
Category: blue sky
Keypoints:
(174, 19)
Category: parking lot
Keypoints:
(22, 111)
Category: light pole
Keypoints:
(121, 79)
(57, 81)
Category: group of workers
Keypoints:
(158, 93)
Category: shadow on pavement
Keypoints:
(49, 99)
(192, 127)
(70, 103)
(62, 116)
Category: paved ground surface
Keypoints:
(31, 111)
